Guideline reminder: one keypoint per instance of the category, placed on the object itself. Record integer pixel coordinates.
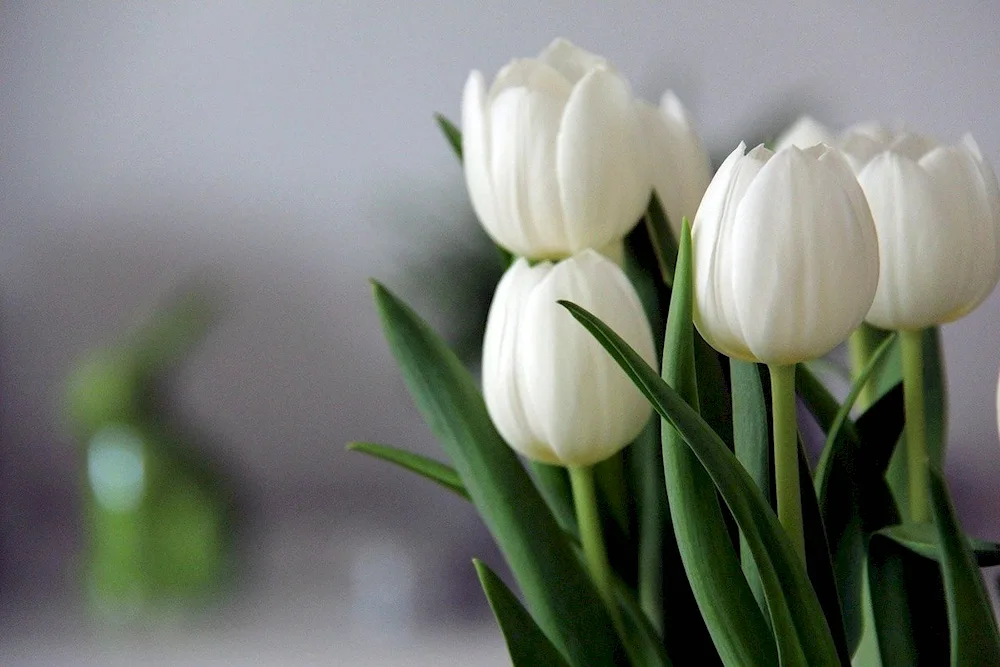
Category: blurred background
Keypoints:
(284, 153)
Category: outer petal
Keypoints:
(679, 164)
(603, 179)
(714, 310)
(992, 188)
(917, 253)
(476, 150)
(526, 73)
(799, 249)
(524, 123)
(968, 205)
(581, 403)
(570, 60)
(803, 133)
(501, 359)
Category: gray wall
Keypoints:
(288, 148)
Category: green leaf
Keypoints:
(973, 629)
(557, 590)
(804, 636)
(662, 238)
(855, 500)
(553, 483)
(526, 643)
(641, 635)
(818, 562)
(451, 133)
(907, 604)
(752, 442)
(422, 465)
(706, 550)
(922, 538)
(856, 388)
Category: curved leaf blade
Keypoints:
(974, 638)
(556, 588)
(527, 645)
(712, 565)
(922, 539)
(785, 580)
(451, 133)
(422, 465)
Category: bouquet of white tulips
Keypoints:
(634, 448)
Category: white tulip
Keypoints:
(680, 166)
(937, 211)
(785, 255)
(553, 153)
(554, 394)
(803, 133)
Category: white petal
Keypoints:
(524, 123)
(603, 179)
(798, 253)
(714, 311)
(476, 151)
(527, 73)
(803, 133)
(583, 404)
(968, 202)
(570, 60)
(918, 255)
(679, 163)
(501, 391)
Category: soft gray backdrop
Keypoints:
(288, 148)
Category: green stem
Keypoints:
(589, 523)
(862, 345)
(786, 454)
(911, 345)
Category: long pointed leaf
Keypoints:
(908, 607)
(819, 564)
(553, 483)
(803, 637)
(973, 629)
(752, 442)
(856, 388)
(712, 565)
(451, 133)
(922, 538)
(526, 643)
(422, 465)
(557, 589)
(804, 634)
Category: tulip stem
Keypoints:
(786, 454)
(862, 345)
(589, 523)
(912, 347)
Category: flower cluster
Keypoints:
(875, 236)
(560, 161)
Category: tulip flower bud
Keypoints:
(785, 255)
(937, 211)
(553, 392)
(553, 154)
(679, 163)
(803, 133)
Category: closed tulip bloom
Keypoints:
(553, 153)
(804, 133)
(680, 166)
(785, 255)
(552, 391)
(937, 211)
